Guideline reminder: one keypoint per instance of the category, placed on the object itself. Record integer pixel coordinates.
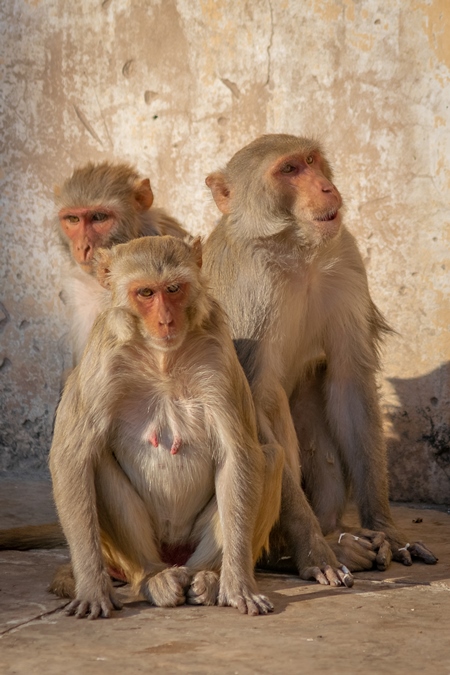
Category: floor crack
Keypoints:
(35, 618)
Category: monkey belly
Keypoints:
(175, 488)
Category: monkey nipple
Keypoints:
(153, 439)
(176, 445)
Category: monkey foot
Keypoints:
(407, 552)
(167, 588)
(94, 601)
(327, 575)
(358, 553)
(204, 589)
(244, 600)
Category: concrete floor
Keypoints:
(392, 622)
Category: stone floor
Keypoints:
(392, 622)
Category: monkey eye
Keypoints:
(145, 292)
(72, 219)
(99, 217)
(309, 159)
(174, 288)
(288, 168)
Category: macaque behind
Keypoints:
(99, 206)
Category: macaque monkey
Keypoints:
(98, 206)
(293, 285)
(155, 457)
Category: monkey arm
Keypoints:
(239, 485)
(354, 415)
(77, 445)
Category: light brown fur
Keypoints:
(116, 193)
(291, 280)
(155, 443)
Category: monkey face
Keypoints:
(162, 309)
(87, 229)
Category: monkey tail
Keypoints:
(32, 536)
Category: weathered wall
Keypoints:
(176, 87)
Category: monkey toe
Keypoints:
(419, 550)
(345, 576)
(246, 602)
(384, 556)
(204, 589)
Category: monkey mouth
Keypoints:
(331, 215)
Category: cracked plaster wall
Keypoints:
(176, 87)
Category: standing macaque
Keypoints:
(98, 206)
(155, 458)
(293, 285)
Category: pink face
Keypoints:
(300, 178)
(87, 230)
(162, 308)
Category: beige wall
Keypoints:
(176, 87)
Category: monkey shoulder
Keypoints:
(157, 222)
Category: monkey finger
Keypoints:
(419, 550)
(402, 555)
(333, 576)
(345, 576)
(116, 603)
(384, 556)
(258, 604)
(72, 607)
(264, 604)
(314, 574)
(374, 536)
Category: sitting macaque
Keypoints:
(98, 206)
(294, 288)
(155, 459)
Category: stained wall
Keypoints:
(176, 87)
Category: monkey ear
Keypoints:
(220, 191)
(143, 195)
(102, 262)
(197, 251)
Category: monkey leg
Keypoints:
(301, 530)
(323, 476)
(298, 527)
(128, 538)
(206, 560)
(129, 542)
(270, 504)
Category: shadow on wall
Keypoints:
(419, 438)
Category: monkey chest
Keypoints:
(168, 458)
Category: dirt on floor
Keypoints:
(396, 621)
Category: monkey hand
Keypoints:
(204, 589)
(404, 552)
(361, 549)
(242, 596)
(167, 588)
(94, 599)
(321, 565)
